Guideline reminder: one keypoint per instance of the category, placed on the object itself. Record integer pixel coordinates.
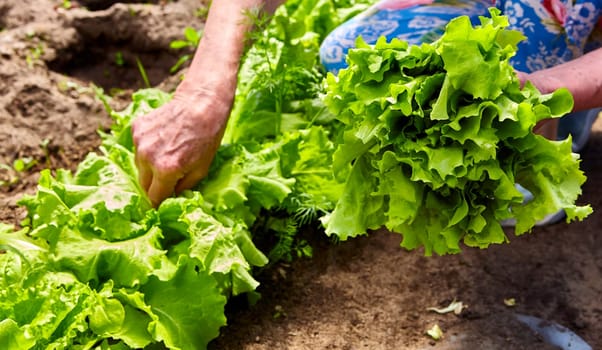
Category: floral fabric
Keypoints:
(556, 30)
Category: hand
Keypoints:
(547, 128)
(176, 143)
(540, 81)
(582, 76)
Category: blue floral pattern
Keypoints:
(556, 30)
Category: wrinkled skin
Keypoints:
(177, 142)
(582, 77)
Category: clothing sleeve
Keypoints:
(556, 31)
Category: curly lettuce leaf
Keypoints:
(434, 148)
(187, 310)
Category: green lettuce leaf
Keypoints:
(437, 138)
(187, 310)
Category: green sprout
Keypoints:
(192, 37)
(14, 172)
(119, 60)
(203, 11)
(34, 55)
(143, 73)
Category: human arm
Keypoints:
(581, 76)
(176, 143)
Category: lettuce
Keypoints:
(437, 136)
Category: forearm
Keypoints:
(217, 58)
(582, 76)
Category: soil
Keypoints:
(367, 293)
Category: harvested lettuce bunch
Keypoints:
(437, 136)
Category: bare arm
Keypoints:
(218, 56)
(582, 76)
(176, 143)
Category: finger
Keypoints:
(191, 179)
(145, 174)
(548, 128)
(161, 188)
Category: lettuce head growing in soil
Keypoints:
(429, 141)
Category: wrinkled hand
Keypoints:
(176, 143)
(540, 80)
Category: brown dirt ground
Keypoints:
(367, 293)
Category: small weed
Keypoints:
(303, 249)
(45, 148)
(15, 171)
(71, 86)
(278, 312)
(100, 94)
(143, 73)
(34, 54)
(192, 37)
(23, 164)
(183, 59)
(30, 34)
(259, 20)
(119, 60)
(203, 11)
(35, 49)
